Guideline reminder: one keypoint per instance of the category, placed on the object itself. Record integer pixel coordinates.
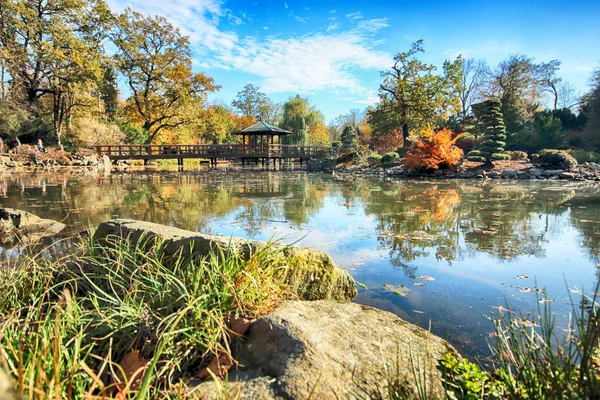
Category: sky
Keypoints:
(333, 52)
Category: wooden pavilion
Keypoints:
(261, 133)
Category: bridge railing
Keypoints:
(142, 151)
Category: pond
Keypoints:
(441, 254)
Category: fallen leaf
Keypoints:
(218, 366)
(546, 300)
(129, 376)
(425, 277)
(521, 277)
(419, 284)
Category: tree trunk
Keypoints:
(405, 134)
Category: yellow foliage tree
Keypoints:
(435, 150)
(318, 135)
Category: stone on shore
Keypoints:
(311, 273)
(21, 227)
(325, 350)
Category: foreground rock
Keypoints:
(312, 273)
(21, 227)
(326, 350)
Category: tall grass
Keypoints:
(536, 360)
(66, 324)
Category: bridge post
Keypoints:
(145, 162)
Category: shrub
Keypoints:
(558, 159)
(374, 159)
(435, 150)
(89, 132)
(391, 157)
(499, 157)
(489, 116)
(518, 155)
(336, 144)
(583, 156)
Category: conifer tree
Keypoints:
(489, 117)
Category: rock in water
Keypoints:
(312, 273)
(17, 226)
(326, 350)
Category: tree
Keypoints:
(349, 140)
(412, 94)
(549, 81)
(299, 117)
(436, 150)
(54, 48)
(567, 96)
(109, 92)
(591, 109)
(318, 135)
(156, 61)
(472, 84)
(489, 116)
(516, 84)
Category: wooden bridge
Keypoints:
(215, 152)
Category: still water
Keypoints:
(439, 254)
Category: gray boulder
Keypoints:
(311, 273)
(327, 350)
(508, 173)
(21, 227)
(535, 172)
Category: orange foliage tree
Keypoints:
(435, 150)
(386, 141)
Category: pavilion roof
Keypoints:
(262, 128)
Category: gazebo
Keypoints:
(256, 134)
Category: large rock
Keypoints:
(21, 227)
(327, 350)
(312, 273)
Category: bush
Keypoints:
(436, 150)
(388, 158)
(499, 157)
(518, 155)
(583, 156)
(336, 144)
(374, 159)
(557, 159)
(89, 132)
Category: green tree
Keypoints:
(156, 61)
(109, 92)
(413, 95)
(252, 103)
(515, 81)
(299, 117)
(591, 110)
(489, 117)
(349, 140)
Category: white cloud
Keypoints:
(333, 27)
(354, 16)
(301, 19)
(285, 4)
(314, 62)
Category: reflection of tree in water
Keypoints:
(503, 220)
(584, 216)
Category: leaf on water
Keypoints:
(419, 284)
(521, 277)
(527, 290)
(502, 309)
(484, 232)
(426, 277)
(346, 204)
(418, 311)
(546, 300)
(399, 293)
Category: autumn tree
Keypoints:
(54, 49)
(318, 134)
(435, 150)
(412, 94)
(156, 61)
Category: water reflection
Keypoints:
(473, 238)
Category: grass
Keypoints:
(65, 325)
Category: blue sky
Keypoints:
(333, 51)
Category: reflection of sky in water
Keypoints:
(488, 234)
